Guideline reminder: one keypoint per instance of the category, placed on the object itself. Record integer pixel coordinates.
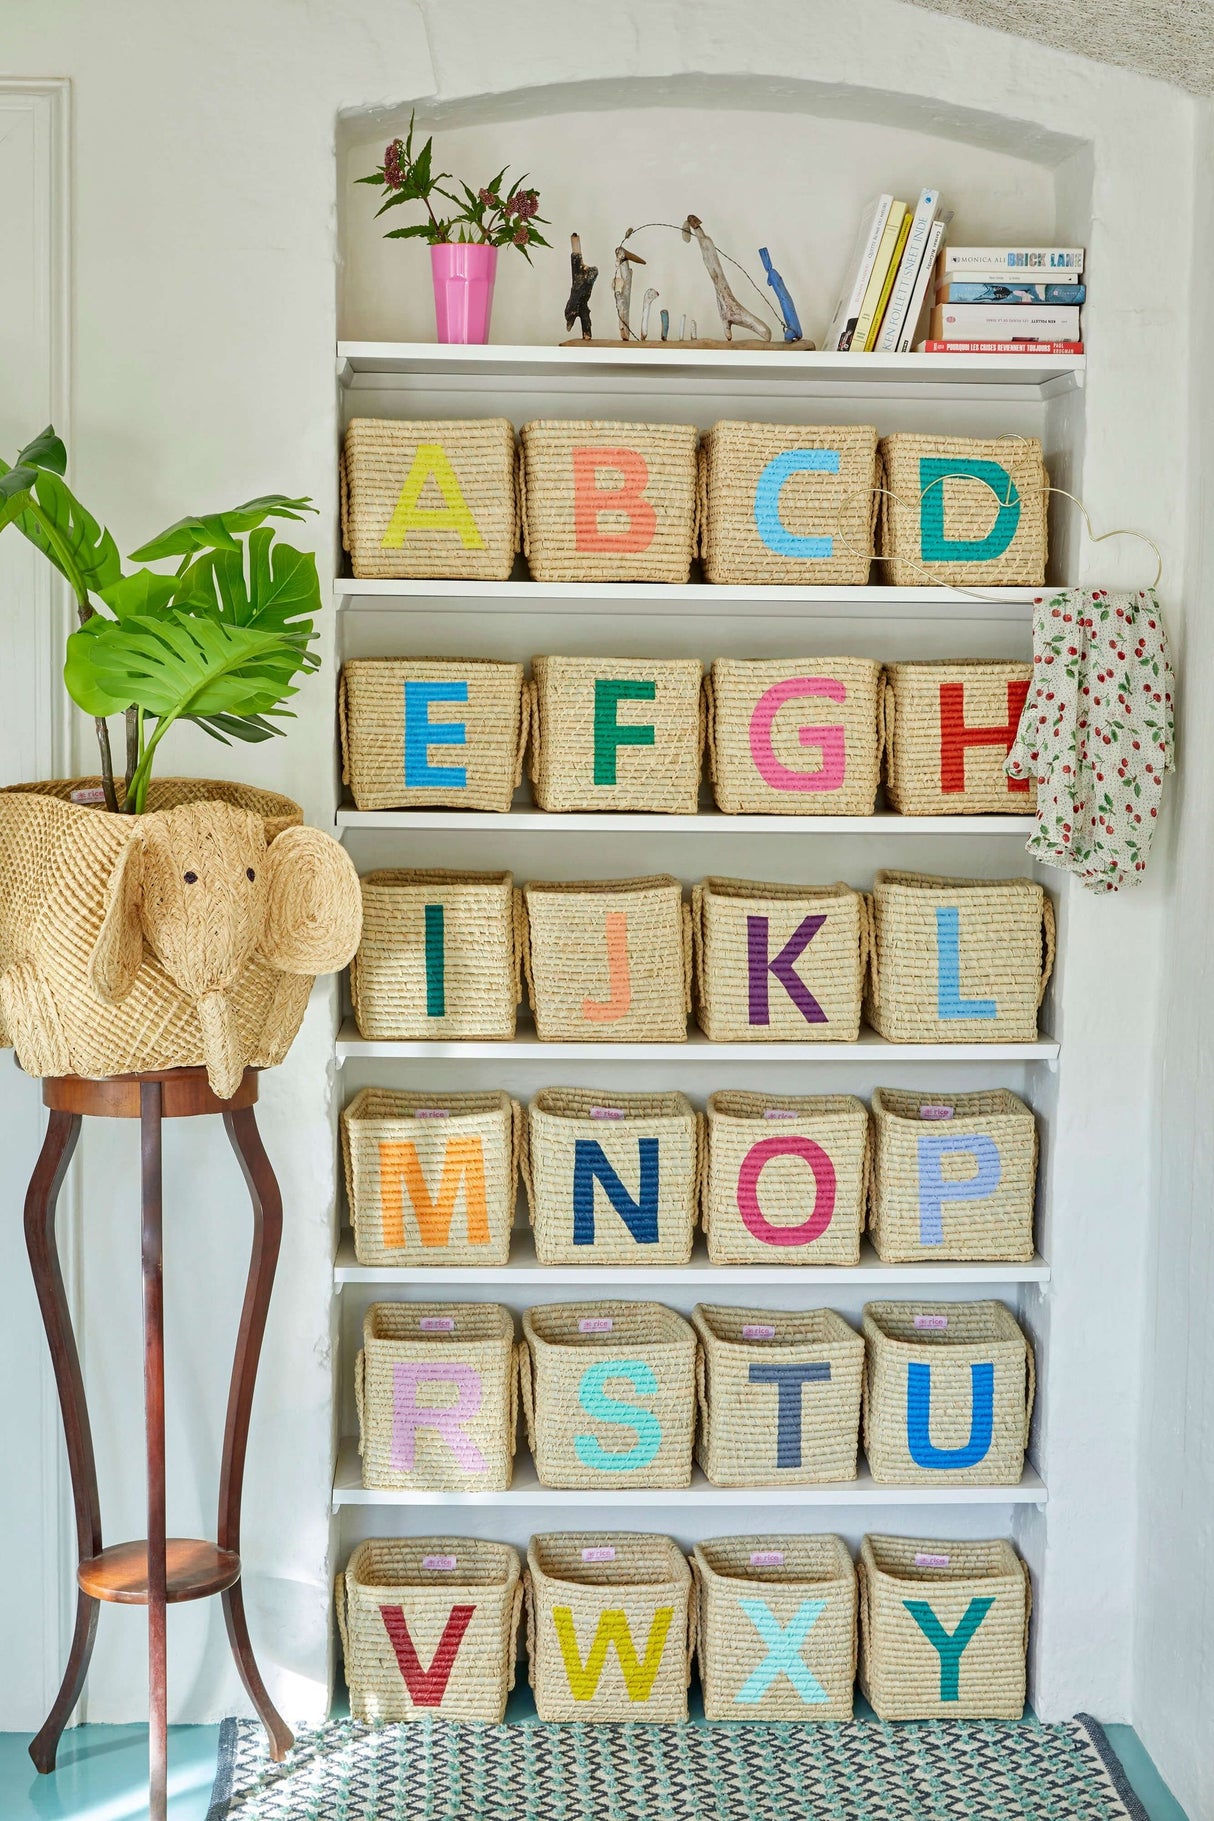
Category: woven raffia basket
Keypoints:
(610, 1626)
(948, 728)
(779, 1396)
(787, 1178)
(432, 733)
(617, 733)
(794, 736)
(915, 1596)
(608, 502)
(965, 511)
(608, 960)
(788, 503)
(612, 1178)
(429, 1625)
(430, 499)
(958, 960)
(747, 1587)
(439, 955)
(434, 1386)
(779, 963)
(431, 1179)
(608, 1394)
(954, 1176)
(948, 1393)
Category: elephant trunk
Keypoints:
(220, 1045)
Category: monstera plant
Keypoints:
(216, 638)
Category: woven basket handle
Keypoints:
(516, 1609)
(522, 937)
(519, 959)
(359, 1388)
(1028, 1605)
(531, 696)
(885, 722)
(867, 1179)
(870, 921)
(512, 1404)
(523, 1356)
(693, 1622)
(702, 724)
(343, 483)
(688, 959)
(342, 726)
(339, 1602)
(864, 1399)
(524, 731)
(863, 1616)
(698, 965)
(1030, 1388)
(522, 1156)
(1049, 929)
(529, 1618)
(701, 1389)
(520, 501)
(700, 1214)
(699, 536)
(709, 699)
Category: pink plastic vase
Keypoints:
(463, 291)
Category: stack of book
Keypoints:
(886, 283)
(1007, 300)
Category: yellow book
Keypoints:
(891, 276)
(884, 267)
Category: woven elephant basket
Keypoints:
(947, 728)
(617, 733)
(439, 957)
(794, 736)
(608, 502)
(954, 1176)
(432, 733)
(776, 1631)
(608, 960)
(963, 511)
(787, 1178)
(788, 503)
(779, 963)
(430, 498)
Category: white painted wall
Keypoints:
(205, 318)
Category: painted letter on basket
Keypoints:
(935, 1190)
(431, 463)
(409, 1414)
(590, 1165)
(822, 1175)
(949, 1646)
(590, 501)
(919, 1419)
(594, 1399)
(426, 1686)
(421, 733)
(768, 523)
(949, 1003)
(400, 1169)
(619, 981)
(831, 741)
(612, 1628)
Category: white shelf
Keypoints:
(871, 1048)
(525, 1268)
(694, 600)
(709, 822)
(371, 364)
(348, 1489)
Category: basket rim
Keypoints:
(570, 426)
(806, 1106)
(751, 890)
(1000, 1548)
(412, 663)
(353, 1111)
(504, 1556)
(677, 1107)
(1006, 1329)
(693, 666)
(429, 423)
(748, 665)
(705, 1318)
(494, 1318)
(537, 1545)
(1012, 1106)
(578, 888)
(673, 1330)
(788, 1543)
(889, 879)
(399, 877)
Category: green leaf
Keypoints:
(219, 530)
(417, 232)
(280, 595)
(15, 482)
(375, 177)
(141, 592)
(75, 543)
(179, 665)
(46, 451)
(228, 727)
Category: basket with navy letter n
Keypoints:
(779, 1396)
(612, 1178)
(608, 1394)
(948, 1394)
(430, 498)
(604, 502)
(432, 733)
(610, 1626)
(439, 955)
(794, 736)
(947, 730)
(608, 960)
(958, 960)
(954, 1176)
(943, 1629)
(617, 733)
(963, 511)
(787, 1178)
(788, 503)
(776, 1630)
(429, 1625)
(779, 963)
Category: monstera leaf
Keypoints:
(143, 592)
(47, 512)
(280, 593)
(219, 530)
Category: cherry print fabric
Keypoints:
(1096, 732)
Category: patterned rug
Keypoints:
(440, 1770)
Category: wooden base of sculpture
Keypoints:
(159, 1570)
(748, 345)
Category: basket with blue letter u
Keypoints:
(963, 511)
(954, 1176)
(608, 1394)
(943, 1629)
(432, 733)
(948, 1394)
(788, 503)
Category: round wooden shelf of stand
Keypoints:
(192, 1571)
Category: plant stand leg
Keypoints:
(150, 1110)
(62, 1132)
(264, 1194)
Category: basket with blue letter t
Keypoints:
(432, 733)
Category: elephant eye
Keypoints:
(191, 878)
(249, 873)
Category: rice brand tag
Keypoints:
(923, 1560)
(437, 1324)
(931, 1321)
(935, 1112)
(595, 1324)
(604, 1553)
(431, 1112)
(779, 1112)
(767, 1558)
(757, 1330)
(443, 1563)
(606, 1113)
(89, 793)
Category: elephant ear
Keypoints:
(118, 951)
(314, 907)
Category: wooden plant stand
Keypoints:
(156, 1572)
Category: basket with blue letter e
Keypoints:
(779, 1396)
(958, 960)
(608, 1394)
(776, 1631)
(954, 1176)
(779, 963)
(943, 1629)
(948, 1394)
(440, 955)
(430, 499)
(963, 511)
(432, 733)
(612, 1178)
(788, 503)
(617, 733)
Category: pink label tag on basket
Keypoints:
(595, 1324)
(931, 1321)
(606, 1112)
(431, 1112)
(437, 1324)
(89, 793)
(757, 1330)
(767, 1558)
(444, 1563)
(604, 1553)
(779, 1112)
(935, 1112)
(923, 1560)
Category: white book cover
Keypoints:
(908, 271)
(914, 308)
(857, 274)
(1011, 259)
(1005, 322)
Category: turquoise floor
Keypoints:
(102, 1770)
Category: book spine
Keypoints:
(881, 264)
(1004, 322)
(999, 347)
(1007, 291)
(887, 285)
(1022, 260)
(914, 308)
(847, 312)
(908, 271)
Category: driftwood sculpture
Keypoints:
(621, 286)
(732, 311)
(581, 285)
(646, 305)
(788, 309)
